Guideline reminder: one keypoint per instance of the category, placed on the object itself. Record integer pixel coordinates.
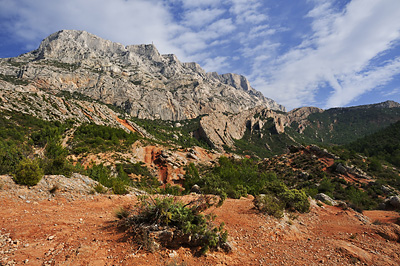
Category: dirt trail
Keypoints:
(62, 231)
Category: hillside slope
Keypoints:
(384, 144)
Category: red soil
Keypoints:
(61, 231)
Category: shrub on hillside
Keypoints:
(102, 174)
(269, 204)
(28, 172)
(163, 220)
(295, 200)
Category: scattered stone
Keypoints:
(326, 199)
(395, 201)
(362, 218)
(195, 189)
(389, 231)
(173, 254)
(227, 247)
(386, 189)
(354, 251)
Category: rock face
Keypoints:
(221, 129)
(300, 115)
(136, 78)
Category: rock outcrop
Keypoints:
(221, 129)
(300, 115)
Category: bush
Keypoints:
(96, 138)
(269, 204)
(58, 166)
(100, 189)
(182, 219)
(28, 173)
(295, 200)
(102, 174)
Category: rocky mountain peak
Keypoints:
(72, 46)
(388, 104)
(136, 78)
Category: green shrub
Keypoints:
(102, 174)
(119, 186)
(28, 172)
(58, 166)
(97, 138)
(295, 200)
(167, 212)
(269, 204)
(170, 190)
(236, 178)
(100, 189)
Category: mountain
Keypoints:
(75, 75)
(344, 125)
(135, 78)
(266, 132)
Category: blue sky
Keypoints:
(323, 53)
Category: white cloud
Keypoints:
(214, 64)
(221, 27)
(357, 84)
(394, 92)
(202, 3)
(247, 11)
(261, 31)
(338, 54)
(199, 17)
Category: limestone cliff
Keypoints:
(136, 78)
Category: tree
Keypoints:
(28, 172)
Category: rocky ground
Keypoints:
(73, 226)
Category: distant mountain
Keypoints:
(266, 132)
(135, 78)
(344, 125)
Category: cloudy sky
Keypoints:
(323, 53)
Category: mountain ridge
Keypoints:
(125, 75)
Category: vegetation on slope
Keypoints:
(169, 132)
(237, 178)
(344, 125)
(286, 179)
(96, 138)
(21, 135)
(383, 145)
